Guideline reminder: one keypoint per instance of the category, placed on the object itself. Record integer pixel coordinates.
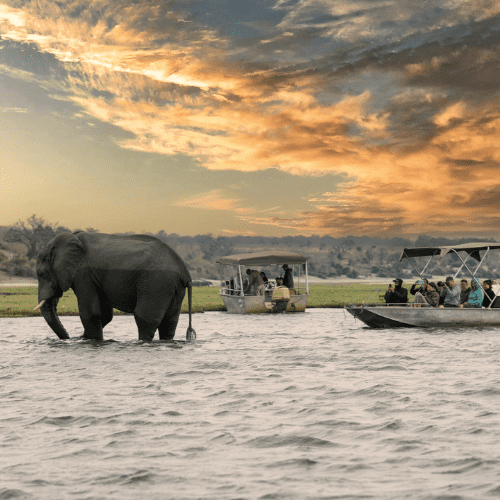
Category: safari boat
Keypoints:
(377, 315)
(233, 273)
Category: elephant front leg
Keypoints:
(92, 328)
(90, 315)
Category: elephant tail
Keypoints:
(191, 333)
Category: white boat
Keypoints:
(404, 315)
(233, 272)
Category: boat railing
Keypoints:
(227, 289)
(377, 304)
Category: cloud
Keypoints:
(13, 110)
(400, 96)
(240, 232)
(213, 200)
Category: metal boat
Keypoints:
(233, 271)
(404, 315)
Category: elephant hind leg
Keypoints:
(168, 324)
(146, 329)
(106, 314)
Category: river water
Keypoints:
(297, 406)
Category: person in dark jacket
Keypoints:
(489, 295)
(440, 286)
(396, 294)
(288, 278)
(464, 291)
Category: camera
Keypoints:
(440, 283)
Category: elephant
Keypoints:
(136, 274)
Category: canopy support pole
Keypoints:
(463, 264)
(410, 261)
(428, 262)
(241, 281)
(484, 256)
(473, 274)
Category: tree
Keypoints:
(34, 234)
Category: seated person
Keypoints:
(490, 297)
(281, 296)
(420, 286)
(489, 294)
(464, 291)
(255, 285)
(431, 297)
(475, 298)
(451, 293)
(440, 286)
(396, 294)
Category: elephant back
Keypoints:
(136, 253)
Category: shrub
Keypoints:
(20, 265)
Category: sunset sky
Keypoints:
(327, 117)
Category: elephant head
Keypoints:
(56, 266)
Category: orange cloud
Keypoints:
(418, 157)
(212, 200)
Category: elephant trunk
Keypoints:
(49, 312)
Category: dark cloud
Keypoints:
(489, 199)
(28, 57)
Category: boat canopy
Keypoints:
(472, 249)
(262, 259)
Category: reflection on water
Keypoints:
(305, 406)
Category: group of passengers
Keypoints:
(446, 294)
(256, 282)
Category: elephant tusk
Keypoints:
(40, 305)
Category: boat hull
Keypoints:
(255, 304)
(424, 317)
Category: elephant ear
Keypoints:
(66, 256)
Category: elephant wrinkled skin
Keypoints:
(137, 274)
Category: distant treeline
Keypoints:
(352, 256)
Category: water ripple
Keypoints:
(308, 406)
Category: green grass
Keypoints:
(19, 302)
(339, 295)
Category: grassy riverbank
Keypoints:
(18, 302)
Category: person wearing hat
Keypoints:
(396, 294)
(451, 293)
(288, 278)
